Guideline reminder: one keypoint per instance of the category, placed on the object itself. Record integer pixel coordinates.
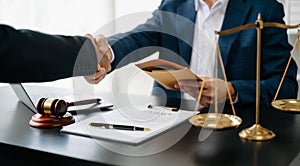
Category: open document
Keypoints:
(129, 125)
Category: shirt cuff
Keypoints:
(236, 98)
(112, 54)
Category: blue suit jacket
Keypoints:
(170, 31)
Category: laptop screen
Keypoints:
(23, 96)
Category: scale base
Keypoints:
(257, 133)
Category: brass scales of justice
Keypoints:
(220, 121)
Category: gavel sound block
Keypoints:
(53, 113)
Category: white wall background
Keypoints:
(292, 10)
(78, 17)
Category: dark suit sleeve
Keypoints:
(30, 56)
(138, 43)
(275, 54)
(158, 34)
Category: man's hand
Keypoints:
(104, 57)
(213, 89)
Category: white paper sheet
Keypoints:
(157, 119)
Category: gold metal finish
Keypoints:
(216, 121)
(257, 133)
(247, 26)
(222, 121)
(287, 105)
(47, 107)
(258, 62)
(146, 129)
(225, 78)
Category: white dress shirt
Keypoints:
(204, 43)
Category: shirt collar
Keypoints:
(198, 3)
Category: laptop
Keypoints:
(23, 96)
(30, 100)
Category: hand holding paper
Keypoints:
(176, 77)
(167, 73)
(213, 89)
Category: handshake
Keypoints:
(209, 85)
(104, 57)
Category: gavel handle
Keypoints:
(84, 102)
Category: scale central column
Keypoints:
(257, 132)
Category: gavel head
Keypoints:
(50, 107)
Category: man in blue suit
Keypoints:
(178, 29)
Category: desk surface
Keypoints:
(20, 143)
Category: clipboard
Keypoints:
(167, 73)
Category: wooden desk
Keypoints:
(20, 143)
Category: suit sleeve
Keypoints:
(31, 56)
(275, 54)
(138, 43)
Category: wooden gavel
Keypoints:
(58, 107)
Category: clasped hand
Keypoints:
(104, 56)
(213, 89)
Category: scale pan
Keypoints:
(287, 105)
(215, 121)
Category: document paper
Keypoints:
(158, 119)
